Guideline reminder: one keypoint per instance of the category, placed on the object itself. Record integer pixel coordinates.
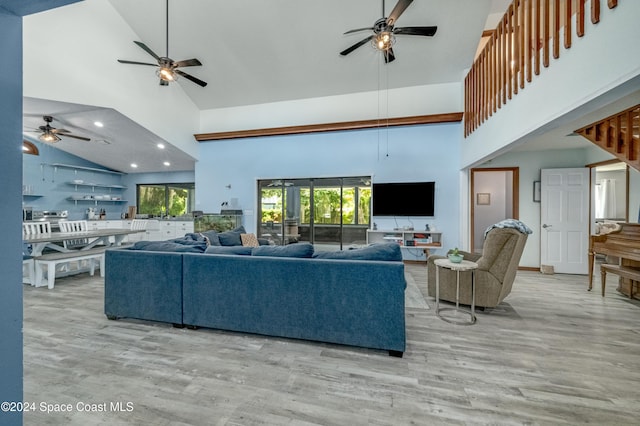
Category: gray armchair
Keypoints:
(497, 267)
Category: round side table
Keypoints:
(465, 265)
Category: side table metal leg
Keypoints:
(457, 290)
(473, 296)
(437, 291)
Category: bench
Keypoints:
(52, 259)
(622, 271)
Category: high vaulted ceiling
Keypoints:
(257, 52)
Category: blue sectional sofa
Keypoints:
(335, 299)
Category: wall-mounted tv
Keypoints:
(403, 199)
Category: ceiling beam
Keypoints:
(452, 117)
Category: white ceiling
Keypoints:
(256, 52)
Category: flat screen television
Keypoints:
(403, 199)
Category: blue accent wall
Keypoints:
(396, 154)
(50, 189)
(10, 226)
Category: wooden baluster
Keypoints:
(567, 24)
(529, 48)
(504, 62)
(556, 29)
(580, 18)
(485, 85)
(628, 136)
(494, 75)
(546, 32)
(536, 42)
(595, 11)
(516, 45)
(490, 75)
(523, 51)
(612, 3)
(510, 51)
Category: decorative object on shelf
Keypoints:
(536, 191)
(483, 198)
(455, 256)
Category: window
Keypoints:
(170, 199)
(330, 211)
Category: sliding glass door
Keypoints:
(331, 213)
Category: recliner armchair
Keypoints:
(497, 267)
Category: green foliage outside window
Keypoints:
(164, 200)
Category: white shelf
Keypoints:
(91, 169)
(96, 185)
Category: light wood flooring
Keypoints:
(551, 354)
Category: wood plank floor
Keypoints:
(551, 354)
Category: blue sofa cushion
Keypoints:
(212, 236)
(304, 250)
(383, 251)
(242, 250)
(231, 238)
(169, 246)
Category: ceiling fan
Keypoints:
(384, 32)
(167, 68)
(51, 134)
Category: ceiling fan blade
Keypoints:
(122, 61)
(397, 11)
(146, 49)
(67, 135)
(355, 46)
(359, 29)
(192, 78)
(419, 31)
(188, 63)
(52, 130)
(388, 55)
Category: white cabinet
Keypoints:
(175, 228)
(183, 227)
(153, 231)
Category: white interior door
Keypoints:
(564, 217)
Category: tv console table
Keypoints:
(407, 239)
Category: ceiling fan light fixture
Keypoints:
(384, 41)
(167, 74)
(48, 137)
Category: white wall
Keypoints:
(530, 164)
(415, 153)
(419, 100)
(605, 58)
(95, 35)
(498, 184)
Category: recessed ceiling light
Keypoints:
(98, 124)
(134, 165)
(166, 163)
(161, 145)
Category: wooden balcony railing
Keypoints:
(525, 38)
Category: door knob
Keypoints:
(545, 226)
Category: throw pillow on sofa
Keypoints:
(303, 250)
(212, 237)
(383, 251)
(241, 250)
(232, 238)
(249, 240)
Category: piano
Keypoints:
(623, 243)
